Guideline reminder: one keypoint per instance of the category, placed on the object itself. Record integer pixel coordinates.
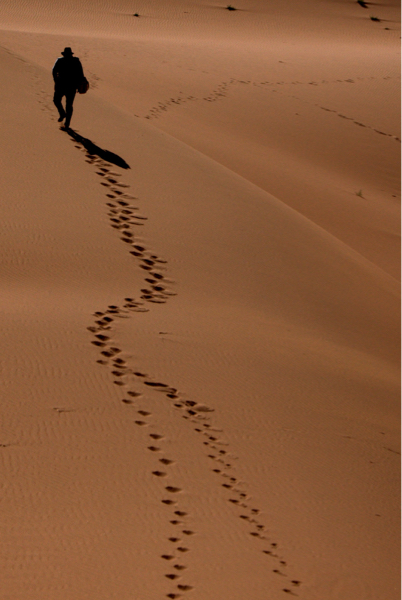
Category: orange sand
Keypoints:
(240, 438)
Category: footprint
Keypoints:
(169, 502)
(172, 489)
(180, 513)
(155, 436)
(172, 576)
(179, 567)
(166, 461)
(185, 588)
(154, 449)
(144, 413)
(140, 423)
(167, 556)
(183, 549)
(188, 532)
(159, 473)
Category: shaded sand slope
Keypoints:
(245, 427)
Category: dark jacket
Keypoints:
(68, 72)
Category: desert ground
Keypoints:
(200, 301)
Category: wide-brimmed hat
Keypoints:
(67, 52)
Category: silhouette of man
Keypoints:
(67, 74)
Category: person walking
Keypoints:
(68, 75)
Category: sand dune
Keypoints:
(200, 302)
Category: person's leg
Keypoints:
(70, 95)
(58, 95)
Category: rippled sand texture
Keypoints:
(200, 302)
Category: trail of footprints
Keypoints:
(124, 217)
(222, 91)
(395, 137)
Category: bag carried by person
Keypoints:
(83, 86)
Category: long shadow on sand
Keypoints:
(96, 150)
